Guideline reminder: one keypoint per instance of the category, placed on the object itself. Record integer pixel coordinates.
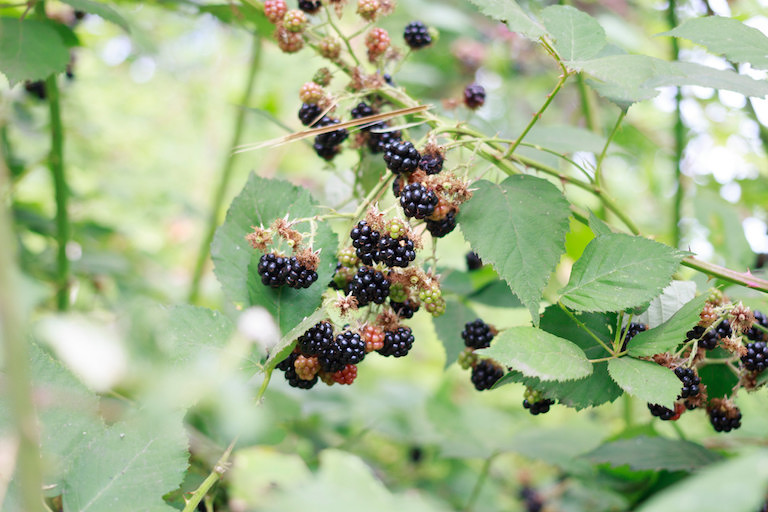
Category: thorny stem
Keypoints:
(741, 278)
(226, 173)
(599, 167)
(480, 482)
(218, 471)
(585, 328)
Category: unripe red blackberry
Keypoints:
(416, 35)
(377, 41)
(287, 365)
(310, 6)
(401, 157)
(397, 343)
(473, 261)
(477, 334)
(306, 367)
(485, 374)
(369, 285)
(756, 358)
(309, 114)
(287, 41)
(295, 20)
(368, 9)
(418, 201)
(346, 376)
(311, 93)
(365, 239)
(474, 96)
(275, 10)
(404, 309)
(440, 228)
(373, 336)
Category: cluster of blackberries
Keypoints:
(755, 333)
(756, 358)
(486, 373)
(540, 407)
(630, 331)
(663, 413)
(371, 247)
(417, 35)
(724, 419)
(708, 339)
(691, 382)
(276, 270)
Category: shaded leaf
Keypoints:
(718, 378)
(30, 50)
(577, 34)
(449, 326)
(598, 226)
(555, 445)
(194, 330)
(672, 298)
(647, 381)
(654, 453)
(100, 9)
(670, 334)
(510, 12)
(565, 138)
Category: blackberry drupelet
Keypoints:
(474, 96)
(379, 140)
(485, 374)
(404, 309)
(365, 240)
(397, 343)
(298, 276)
(273, 269)
(401, 157)
(756, 334)
(724, 420)
(310, 6)
(394, 252)
(477, 334)
(473, 261)
(369, 285)
(417, 201)
(440, 228)
(416, 35)
(661, 412)
(316, 338)
(309, 114)
(690, 380)
(756, 358)
(431, 163)
(351, 347)
(540, 407)
(632, 330)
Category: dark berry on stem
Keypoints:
(401, 156)
(485, 374)
(722, 421)
(707, 339)
(273, 269)
(474, 96)
(661, 412)
(473, 261)
(539, 407)
(632, 330)
(365, 240)
(416, 35)
(369, 285)
(298, 276)
(440, 228)
(477, 334)
(404, 309)
(394, 252)
(316, 339)
(690, 380)
(418, 201)
(756, 358)
(351, 347)
(309, 114)
(310, 6)
(295, 381)
(287, 363)
(362, 110)
(397, 343)
(755, 333)
(431, 164)
(379, 140)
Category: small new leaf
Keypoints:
(670, 334)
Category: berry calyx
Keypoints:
(474, 96)
(401, 157)
(418, 201)
(485, 374)
(397, 343)
(477, 334)
(416, 35)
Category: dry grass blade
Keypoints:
(325, 129)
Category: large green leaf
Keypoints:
(735, 484)
(654, 453)
(690, 73)
(647, 381)
(725, 232)
(577, 35)
(565, 138)
(519, 226)
(537, 353)
(555, 445)
(669, 334)
(672, 298)
(728, 37)
(193, 331)
(129, 466)
(619, 271)
(510, 12)
(260, 203)
(100, 9)
(449, 327)
(30, 50)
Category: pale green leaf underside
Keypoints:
(619, 271)
(670, 334)
(514, 16)
(30, 50)
(645, 380)
(577, 35)
(539, 354)
(654, 453)
(672, 298)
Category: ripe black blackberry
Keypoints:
(310, 6)
(690, 380)
(401, 157)
(379, 140)
(533, 501)
(724, 329)
(416, 35)
(362, 110)
(316, 339)
(724, 420)
(661, 412)
(397, 343)
(632, 330)
(485, 374)
(707, 340)
(756, 358)
(394, 252)
(296, 382)
(369, 285)
(351, 347)
(474, 96)
(298, 276)
(326, 145)
(539, 407)
(397, 185)
(477, 334)
(473, 261)
(756, 334)
(273, 269)
(417, 201)
(36, 89)
(440, 228)
(365, 240)
(287, 363)
(431, 163)
(404, 309)
(309, 114)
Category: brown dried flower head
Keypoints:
(260, 238)
(741, 318)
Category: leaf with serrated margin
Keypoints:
(653, 453)
(734, 484)
(577, 34)
(30, 50)
(670, 334)
(672, 298)
(690, 73)
(620, 271)
(449, 326)
(519, 226)
(100, 9)
(598, 226)
(537, 353)
(260, 203)
(192, 331)
(513, 15)
(647, 381)
(728, 37)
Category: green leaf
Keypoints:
(129, 466)
(577, 34)
(537, 353)
(647, 381)
(735, 484)
(565, 138)
(555, 445)
(522, 235)
(728, 37)
(192, 331)
(670, 334)
(620, 271)
(259, 471)
(718, 378)
(672, 298)
(690, 73)
(260, 203)
(496, 294)
(100, 9)
(598, 226)
(239, 14)
(30, 50)
(725, 232)
(449, 326)
(654, 453)
(514, 16)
